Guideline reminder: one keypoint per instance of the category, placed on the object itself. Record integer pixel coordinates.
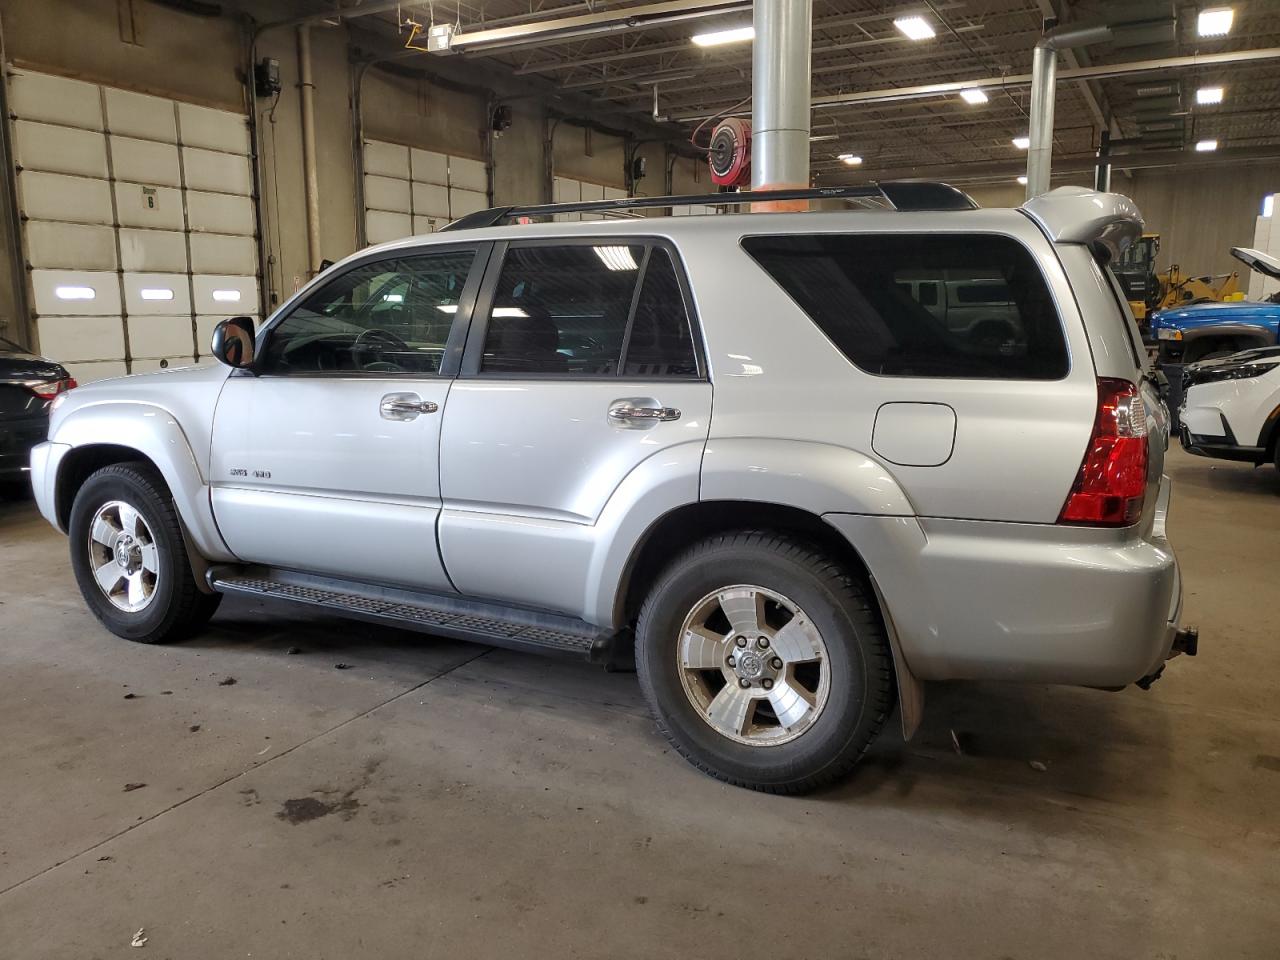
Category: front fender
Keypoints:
(157, 436)
(816, 477)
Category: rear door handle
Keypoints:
(640, 413)
(405, 406)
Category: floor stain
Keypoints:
(1267, 761)
(304, 809)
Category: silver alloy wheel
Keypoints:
(753, 665)
(123, 556)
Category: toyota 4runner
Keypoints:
(799, 462)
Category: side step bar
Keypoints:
(455, 617)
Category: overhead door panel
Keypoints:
(83, 246)
(411, 190)
(153, 251)
(49, 196)
(140, 115)
(138, 222)
(145, 161)
(55, 149)
(220, 213)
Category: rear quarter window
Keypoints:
(874, 296)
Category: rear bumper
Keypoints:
(17, 437)
(976, 600)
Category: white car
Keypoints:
(1231, 407)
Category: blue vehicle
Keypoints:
(1201, 331)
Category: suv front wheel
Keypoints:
(129, 557)
(765, 663)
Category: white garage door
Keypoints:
(138, 222)
(568, 190)
(409, 191)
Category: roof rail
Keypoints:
(897, 194)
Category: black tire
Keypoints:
(839, 604)
(178, 607)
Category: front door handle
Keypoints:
(640, 413)
(405, 406)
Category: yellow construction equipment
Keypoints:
(1148, 291)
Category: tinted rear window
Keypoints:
(875, 297)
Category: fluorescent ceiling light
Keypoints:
(393, 298)
(718, 37)
(914, 28)
(156, 293)
(1022, 180)
(508, 312)
(1209, 95)
(850, 158)
(74, 293)
(617, 258)
(973, 95)
(1215, 22)
(227, 296)
(1269, 205)
(1204, 146)
(448, 308)
(822, 137)
(1022, 143)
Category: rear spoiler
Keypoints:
(1265, 263)
(1078, 215)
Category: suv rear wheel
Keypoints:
(765, 663)
(129, 558)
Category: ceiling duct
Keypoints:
(1128, 24)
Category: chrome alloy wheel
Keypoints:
(123, 556)
(753, 665)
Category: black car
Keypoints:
(28, 385)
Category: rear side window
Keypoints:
(907, 305)
(589, 310)
(660, 343)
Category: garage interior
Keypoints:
(290, 784)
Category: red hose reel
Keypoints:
(729, 156)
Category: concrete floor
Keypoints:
(441, 799)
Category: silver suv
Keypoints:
(798, 462)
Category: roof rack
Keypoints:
(901, 195)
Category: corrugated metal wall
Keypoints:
(138, 222)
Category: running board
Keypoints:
(455, 617)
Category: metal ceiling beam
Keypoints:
(339, 13)
(617, 20)
(1098, 71)
(827, 23)
(1070, 165)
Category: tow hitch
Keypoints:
(1186, 640)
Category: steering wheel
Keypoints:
(366, 351)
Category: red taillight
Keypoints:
(1112, 481)
(47, 391)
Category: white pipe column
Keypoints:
(306, 91)
(781, 65)
(1044, 68)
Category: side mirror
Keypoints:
(233, 342)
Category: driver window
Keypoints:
(387, 317)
